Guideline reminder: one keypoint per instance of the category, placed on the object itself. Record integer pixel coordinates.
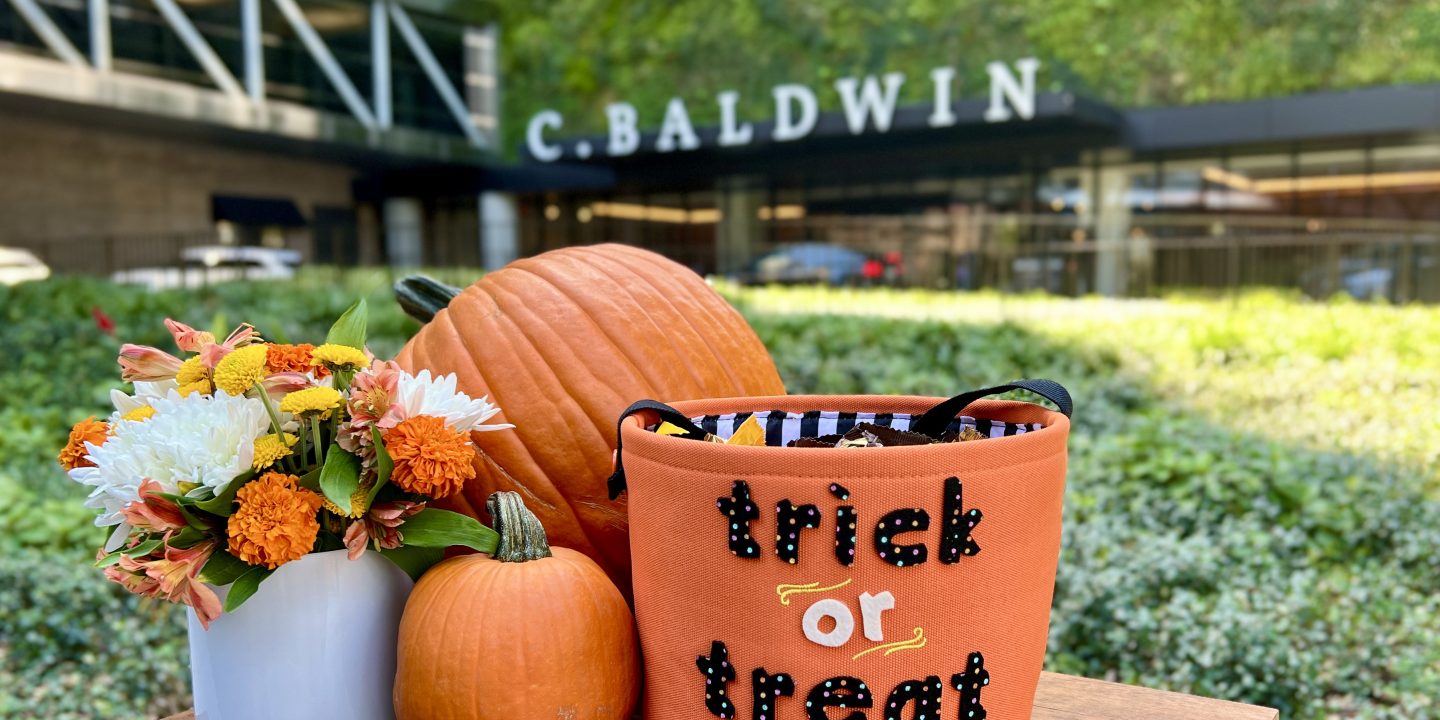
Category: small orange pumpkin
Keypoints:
(563, 342)
(532, 633)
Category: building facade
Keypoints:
(365, 132)
(133, 129)
(1329, 193)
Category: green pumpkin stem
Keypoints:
(522, 537)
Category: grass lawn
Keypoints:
(1253, 507)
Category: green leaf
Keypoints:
(223, 568)
(187, 537)
(245, 586)
(383, 466)
(414, 560)
(181, 500)
(436, 528)
(311, 480)
(143, 549)
(109, 560)
(350, 328)
(340, 476)
(222, 504)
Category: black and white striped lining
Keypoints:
(782, 427)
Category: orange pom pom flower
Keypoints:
(90, 430)
(275, 522)
(430, 458)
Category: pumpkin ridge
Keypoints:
(588, 350)
(601, 428)
(702, 327)
(518, 339)
(453, 334)
(697, 314)
(414, 355)
(506, 329)
(518, 443)
(715, 325)
(644, 370)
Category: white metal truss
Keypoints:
(437, 76)
(195, 43)
(380, 63)
(384, 14)
(328, 65)
(99, 12)
(254, 50)
(49, 34)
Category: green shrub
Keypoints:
(73, 645)
(1251, 510)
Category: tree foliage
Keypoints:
(577, 55)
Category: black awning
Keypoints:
(257, 211)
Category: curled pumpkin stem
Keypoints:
(422, 297)
(522, 537)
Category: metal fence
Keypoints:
(1397, 261)
(1007, 252)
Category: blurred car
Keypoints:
(809, 262)
(208, 264)
(17, 266)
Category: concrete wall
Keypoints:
(69, 185)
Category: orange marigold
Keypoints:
(88, 430)
(430, 458)
(275, 521)
(292, 358)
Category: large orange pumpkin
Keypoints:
(562, 343)
(533, 633)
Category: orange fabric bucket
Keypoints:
(775, 583)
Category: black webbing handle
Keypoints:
(938, 418)
(616, 483)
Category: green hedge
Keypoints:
(1251, 510)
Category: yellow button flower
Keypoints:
(335, 356)
(241, 369)
(191, 371)
(270, 449)
(318, 401)
(139, 414)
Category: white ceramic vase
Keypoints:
(317, 641)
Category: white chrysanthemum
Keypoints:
(420, 395)
(146, 393)
(206, 440)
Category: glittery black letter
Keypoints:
(970, 683)
(924, 693)
(718, 673)
(789, 521)
(766, 690)
(956, 539)
(843, 692)
(739, 510)
(896, 522)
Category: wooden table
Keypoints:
(1064, 697)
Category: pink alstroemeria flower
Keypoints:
(171, 575)
(187, 338)
(372, 404)
(198, 341)
(381, 526)
(283, 383)
(146, 364)
(212, 354)
(151, 512)
(372, 395)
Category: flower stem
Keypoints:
(274, 420)
(270, 410)
(315, 434)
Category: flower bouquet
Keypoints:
(245, 456)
